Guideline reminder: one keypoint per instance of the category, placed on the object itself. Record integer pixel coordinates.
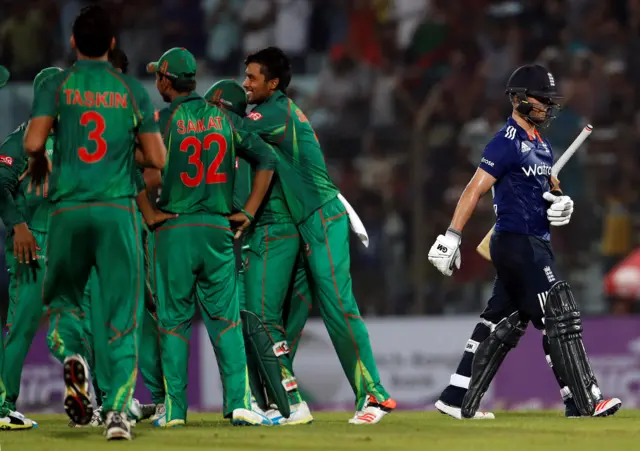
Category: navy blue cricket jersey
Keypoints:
(521, 165)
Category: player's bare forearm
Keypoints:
(152, 178)
(481, 182)
(261, 183)
(144, 204)
(36, 135)
(154, 153)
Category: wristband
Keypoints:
(248, 215)
(453, 233)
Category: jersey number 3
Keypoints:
(213, 176)
(95, 135)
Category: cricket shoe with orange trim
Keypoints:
(607, 407)
(300, 414)
(77, 400)
(456, 412)
(373, 411)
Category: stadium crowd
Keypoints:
(404, 94)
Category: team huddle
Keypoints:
(121, 219)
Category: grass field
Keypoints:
(546, 431)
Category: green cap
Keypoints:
(177, 63)
(43, 75)
(4, 76)
(230, 94)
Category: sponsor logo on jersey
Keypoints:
(537, 169)
(6, 160)
(545, 147)
(254, 116)
(487, 162)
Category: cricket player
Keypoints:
(194, 249)
(149, 363)
(9, 418)
(25, 212)
(516, 165)
(285, 293)
(97, 113)
(322, 223)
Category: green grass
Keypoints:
(539, 431)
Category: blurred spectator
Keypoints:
(24, 42)
(258, 18)
(222, 20)
(290, 30)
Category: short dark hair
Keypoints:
(93, 31)
(180, 84)
(274, 64)
(119, 59)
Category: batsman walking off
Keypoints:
(516, 165)
(323, 226)
(194, 257)
(97, 114)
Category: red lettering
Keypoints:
(191, 127)
(200, 125)
(121, 100)
(89, 98)
(77, 98)
(181, 128)
(215, 122)
(68, 92)
(100, 100)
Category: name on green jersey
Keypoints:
(199, 125)
(106, 99)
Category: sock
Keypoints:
(564, 390)
(454, 393)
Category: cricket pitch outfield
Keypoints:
(522, 431)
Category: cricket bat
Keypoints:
(483, 247)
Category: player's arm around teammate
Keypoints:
(322, 222)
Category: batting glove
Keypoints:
(445, 252)
(560, 210)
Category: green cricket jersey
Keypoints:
(302, 171)
(99, 112)
(17, 204)
(202, 141)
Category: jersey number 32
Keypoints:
(212, 176)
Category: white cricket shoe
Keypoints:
(373, 411)
(246, 417)
(15, 421)
(607, 407)
(456, 412)
(117, 426)
(300, 414)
